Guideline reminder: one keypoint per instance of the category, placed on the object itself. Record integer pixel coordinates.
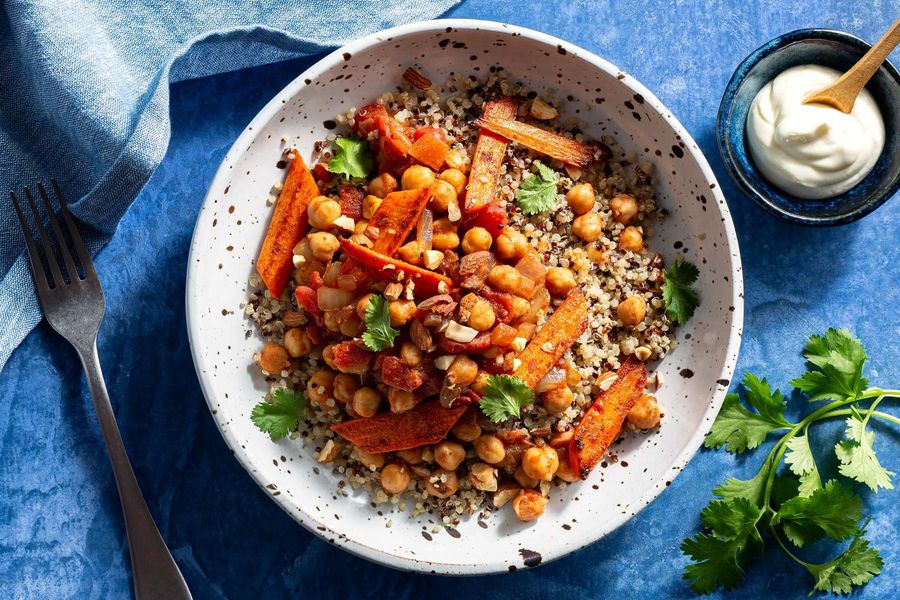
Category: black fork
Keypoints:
(75, 308)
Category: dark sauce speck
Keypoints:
(530, 557)
(686, 373)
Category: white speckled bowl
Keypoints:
(231, 226)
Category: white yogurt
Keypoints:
(812, 150)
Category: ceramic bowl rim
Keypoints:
(724, 116)
(729, 352)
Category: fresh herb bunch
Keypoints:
(794, 507)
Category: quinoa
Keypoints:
(607, 273)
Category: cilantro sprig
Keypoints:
(537, 193)
(279, 416)
(379, 334)
(352, 158)
(793, 506)
(504, 396)
(680, 298)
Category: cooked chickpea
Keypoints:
(382, 185)
(274, 358)
(320, 386)
(505, 278)
(476, 239)
(394, 478)
(490, 449)
(477, 386)
(444, 235)
(556, 401)
(483, 477)
(624, 208)
(511, 245)
(370, 460)
(457, 159)
(631, 239)
(401, 312)
(416, 177)
(297, 342)
(361, 305)
(442, 194)
(524, 479)
(412, 456)
(323, 244)
(482, 316)
(400, 400)
(632, 310)
(322, 212)
(466, 431)
(410, 354)
(645, 413)
(520, 308)
(370, 205)
(345, 386)
(540, 463)
(529, 505)
(588, 227)
(332, 320)
(581, 198)
(565, 471)
(365, 401)
(560, 281)
(412, 252)
(462, 370)
(449, 455)
(351, 325)
(454, 177)
(442, 484)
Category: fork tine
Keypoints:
(45, 241)
(40, 276)
(83, 255)
(60, 240)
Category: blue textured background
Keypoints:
(61, 533)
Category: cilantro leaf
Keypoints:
(352, 158)
(802, 463)
(855, 566)
(837, 360)
(752, 490)
(734, 539)
(833, 510)
(280, 416)
(537, 193)
(680, 298)
(504, 396)
(379, 334)
(739, 429)
(857, 456)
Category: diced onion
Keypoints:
(425, 229)
(333, 298)
(553, 380)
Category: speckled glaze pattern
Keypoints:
(232, 222)
(809, 46)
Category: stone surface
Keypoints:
(61, 533)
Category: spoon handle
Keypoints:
(843, 92)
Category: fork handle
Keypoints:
(155, 574)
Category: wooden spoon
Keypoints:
(843, 92)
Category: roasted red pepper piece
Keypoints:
(492, 217)
(500, 302)
(602, 422)
(480, 344)
(307, 299)
(425, 423)
(396, 373)
(427, 283)
(350, 197)
(350, 357)
(321, 173)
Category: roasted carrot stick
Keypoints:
(288, 226)
(382, 266)
(395, 218)
(426, 423)
(546, 142)
(484, 175)
(602, 422)
(561, 330)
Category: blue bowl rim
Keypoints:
(725, 109)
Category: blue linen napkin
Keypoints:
(84, 97)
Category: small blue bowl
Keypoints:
(829, 48)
